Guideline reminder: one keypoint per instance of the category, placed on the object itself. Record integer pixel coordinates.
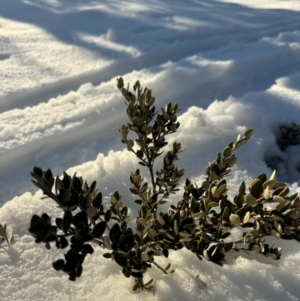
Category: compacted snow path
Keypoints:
(226, 63)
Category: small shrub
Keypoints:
(285, 137)
(288, 136)
(201, 221)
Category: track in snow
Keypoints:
(205, 84)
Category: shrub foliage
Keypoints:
(201, 221)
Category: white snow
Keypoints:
(230, 65)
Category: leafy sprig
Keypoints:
(201, 221)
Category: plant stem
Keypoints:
(164, 271)
(152, 178)
(150, 167)
(152, 243)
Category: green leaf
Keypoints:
(234, 219)
(227, 152)
(80, 217)
(136, 286)
(59, 184)
(3, 232)
(256, 188)
(166, 252)
(144, 257)
(241, 212)
(297, 202)
(241, 143)
(87, 249)
(38, 172)
(97, 201)
(48, 175)
(262, 177)
(279, 199)
(168, 266)
(120, 260)
(250, 200)
(272, 177)
(248, 133)
(246, 217)
(226, 214)
(93, 186)
(99, 229)
(139, 154)
(269, 183)
(134, 191)
(242, 188)
(218, 248)
(294, 213)
(198, 214)
(228, 246)
(284, 192)
(107, 215)
(67, 220)
(58, 265)
(226, 234)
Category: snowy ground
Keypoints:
(229, 64)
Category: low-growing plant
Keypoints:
(6, 234)
(288, 136)
(201, 221)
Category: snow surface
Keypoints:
(229, 64)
